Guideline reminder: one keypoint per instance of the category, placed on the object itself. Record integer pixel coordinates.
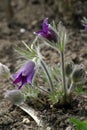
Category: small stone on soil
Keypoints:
(26, 121)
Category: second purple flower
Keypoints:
(47, 31)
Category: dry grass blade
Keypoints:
(35, 115)
(30, 111)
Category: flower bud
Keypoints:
(79, 75)
(4, 71)
(69, 68)
(15, 96)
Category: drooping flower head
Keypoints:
(85, 27)
(25, 74)
(47, 32)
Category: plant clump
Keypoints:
(61, 80)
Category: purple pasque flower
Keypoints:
(47, 32)
(25, 74)
(85, 27)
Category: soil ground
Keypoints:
(28, 16)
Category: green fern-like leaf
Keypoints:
(80, 125)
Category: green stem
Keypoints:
(63, 76)
(48, 75)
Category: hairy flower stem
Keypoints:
(48, 75)
(63, 76)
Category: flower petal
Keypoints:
(30, 77)
(28, 68)
(24, 81)
(45, 25)
(18, 79)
